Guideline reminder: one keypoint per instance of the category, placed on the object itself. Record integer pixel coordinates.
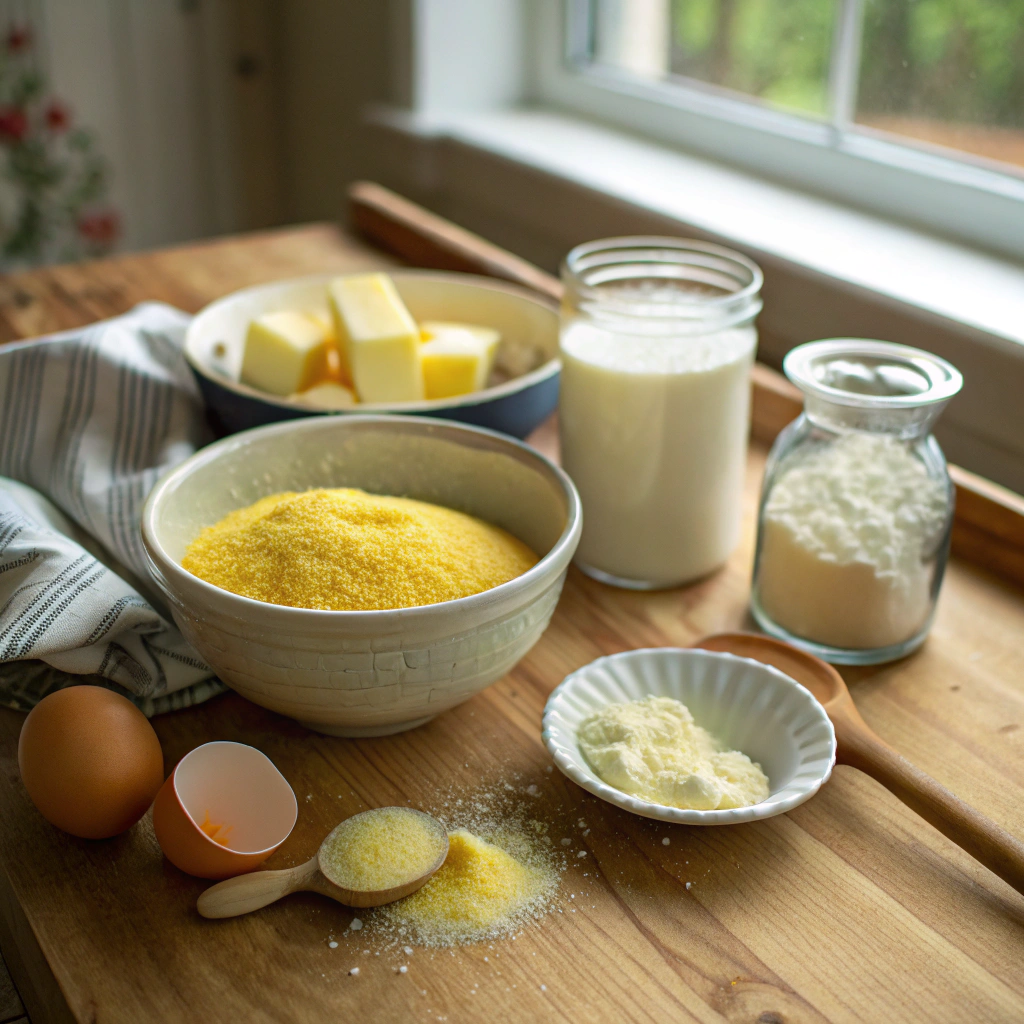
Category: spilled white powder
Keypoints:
(849, 535)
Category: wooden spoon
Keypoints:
(246, 893)
(861, 748)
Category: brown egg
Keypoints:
(90, 761)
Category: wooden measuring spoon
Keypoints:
(246, 893)
(858, 746)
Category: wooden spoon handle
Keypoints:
(426, 240)
(246, 893)
(981, 837)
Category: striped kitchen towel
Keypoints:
(89, 421)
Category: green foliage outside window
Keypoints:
(950, 60)
(947, 60)
(775, 49)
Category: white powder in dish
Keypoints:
(849, 534)
(653, 749)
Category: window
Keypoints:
(775, 51)
(944, 72)
(912, 108)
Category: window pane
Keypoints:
(949, 72)
(774, 50)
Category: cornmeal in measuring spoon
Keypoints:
(380, 849)
(345, 550)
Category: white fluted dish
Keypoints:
(750, 706)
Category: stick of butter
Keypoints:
(377, 338)
(457, 358)
(286, 352)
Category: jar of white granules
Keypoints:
(857, 504)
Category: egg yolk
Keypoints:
(213, 829)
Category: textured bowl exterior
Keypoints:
(374, 672)
(372, 680)
(750, 706)
(516, 407)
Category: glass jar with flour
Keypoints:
(857, 504)
(657, 342)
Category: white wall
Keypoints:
(217, 115)
(184, 98)
(137, 74)
(334, 60)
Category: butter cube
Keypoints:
(378, 340)
(286, 352)
(328, 395)
(430, 329)
(457, 358)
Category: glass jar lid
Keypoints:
(871, 374)
(878, 386)
(679, 284)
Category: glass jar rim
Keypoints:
(805, 366)
(606, 252)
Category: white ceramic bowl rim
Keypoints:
(520, 449)
(565, 756)
(509, 387)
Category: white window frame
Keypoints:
(958, 198)
(475, 131)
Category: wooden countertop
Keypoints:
(848, 908)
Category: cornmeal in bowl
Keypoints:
(342, 549)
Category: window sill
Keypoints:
(540, 182)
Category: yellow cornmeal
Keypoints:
(653, 749)
(481, 892)
(346, 550)
(381, 849)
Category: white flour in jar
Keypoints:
(849, 534)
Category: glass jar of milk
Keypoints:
(657, 342)
(857, 504)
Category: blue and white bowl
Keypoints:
(527, 359)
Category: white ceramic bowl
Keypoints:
(527, 360)
(374, 672)
(752, 707)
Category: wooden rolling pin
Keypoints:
(427, 240)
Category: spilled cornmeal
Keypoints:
(481, 892)
(346, 550)
(654, 750)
